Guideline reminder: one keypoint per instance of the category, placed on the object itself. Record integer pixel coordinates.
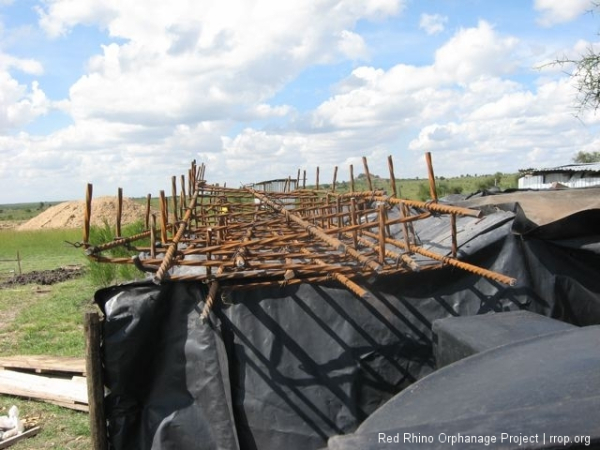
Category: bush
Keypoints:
(107, 274)
(486, 183)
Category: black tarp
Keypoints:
(290, 367)
(539, 393)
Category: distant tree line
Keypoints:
(586, 157)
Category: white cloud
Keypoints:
(433, 23)
(352, 45)
(553, 12)
(465, 110)
(19, 104)
(475, 52)
(187, 61)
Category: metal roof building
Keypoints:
(567, 176)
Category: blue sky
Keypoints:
(122, 93)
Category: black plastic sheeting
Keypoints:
(290, 367)
(538, 393)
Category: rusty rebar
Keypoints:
(455, 262)
(432, 188)
(320, 234)
(170, 254)
(87, 213)
(119, 212)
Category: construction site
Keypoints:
(282, 315)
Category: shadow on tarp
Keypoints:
(289, 367)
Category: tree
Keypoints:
(586, 74)
(586, 157)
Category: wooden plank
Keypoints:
(67, 392)
(45, 364)
(13, 440)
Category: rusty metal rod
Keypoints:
(87, 215)
(344, 280)
(432, 188)
(320, 234)
(163, 218)
(454, 262)
(210, 298)
(433, 207)
(93, 250)
(367, 173)
(406, 259)
(147, 216)
(392, 177)
(168, 258)
(119, 212)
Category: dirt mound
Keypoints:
(70, 214)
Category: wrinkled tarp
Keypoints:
(523, 395)
(289, 367)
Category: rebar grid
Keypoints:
(281, 234)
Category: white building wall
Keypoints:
(545, 182)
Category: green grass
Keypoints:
(39, 249)
(45, 320)
(21, 212)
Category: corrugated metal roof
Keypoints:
(589, 167)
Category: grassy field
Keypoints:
(38, 249)
(21, 212)
(44, 320)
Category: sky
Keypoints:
(125, 93)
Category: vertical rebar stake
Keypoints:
(119, 212)
(147, 220)
(317, 188)
(335, 170)
(163, 218)
(392, 177)
(174, 194)
(432, 189)
(382, 233)
(366, 165)
(87, 215)
(454, 242)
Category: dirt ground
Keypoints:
(70, 214)
(45, 277)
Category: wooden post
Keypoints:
(19, 263)
(317, 188)
(352, 188)
(95, 383)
